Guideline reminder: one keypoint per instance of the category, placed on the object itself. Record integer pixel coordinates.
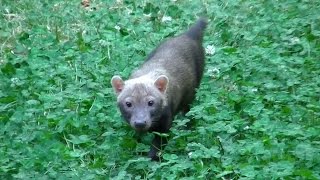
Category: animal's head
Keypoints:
(141, 100)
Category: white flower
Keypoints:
(119, 2)
(103, 43)
(210, 49)
(254, 90)
(213, 70)
(147, 15)
(129, 11)
(246, 128)
(117, 27)
(233, 87)
(190, 154)
(166, 18)
(294, 40)
(14, 80)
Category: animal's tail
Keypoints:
(196, 31)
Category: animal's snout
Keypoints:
(140, 124)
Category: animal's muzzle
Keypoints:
(140, 124)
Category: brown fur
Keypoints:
(164, 85)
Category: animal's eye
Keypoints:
(150, 103)
(129, 104)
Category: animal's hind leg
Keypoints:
(186, 108)
(186, 103)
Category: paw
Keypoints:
(153, 155)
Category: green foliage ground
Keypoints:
(257, 112)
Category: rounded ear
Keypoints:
(117, 84)
(161, 83)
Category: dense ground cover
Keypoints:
(257, 112)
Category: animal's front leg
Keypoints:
(158, 144)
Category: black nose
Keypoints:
(140, 125)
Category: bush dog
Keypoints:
(164, 85)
